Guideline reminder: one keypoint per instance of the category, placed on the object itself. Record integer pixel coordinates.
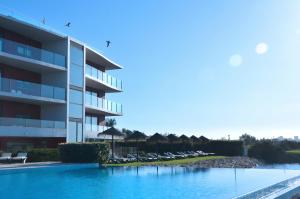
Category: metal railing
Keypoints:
(103, 77)
(103, 104)
(28, 88)
(22, 122)
(23, 50)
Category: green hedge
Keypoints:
(43, 155)
(223, 147)
(272, 153)
(220, 147)
(84, 152)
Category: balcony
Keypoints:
(31, 127)
(100, 80)
(18, 54)
(31, 92)
(102, 106)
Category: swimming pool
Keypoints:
(88, 181)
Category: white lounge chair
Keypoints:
(21, 156)
(5, 157)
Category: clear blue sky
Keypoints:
(176, 57)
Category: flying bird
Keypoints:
(68, 24)
(107, 43)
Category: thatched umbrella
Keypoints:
(157, 138)
(203, 139)
(194, 139)
(184, 138)
(113, 132)
(172, 138)
(136, 136)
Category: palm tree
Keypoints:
(112, 132)
(110, 122)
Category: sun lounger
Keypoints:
(20, 156)
(180, 154)
(5, 157)
(170, 156)
(151, 156)
(131, 158)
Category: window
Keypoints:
(77, 63)
(91, 123)
(94, 124)
(76, 101)
(75, 132)
(76, 55)
(21, 50)
(88, 123)
(76, 75)
(75, 110)
(72, 132)
(75, 96)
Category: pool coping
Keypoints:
(29, 165)
(283, 189)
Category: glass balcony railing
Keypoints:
(103, 104)
(27, 51)
(103, 77)
(7, 121)
(27, 88)
(94, 127)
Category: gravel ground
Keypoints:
(229, 162)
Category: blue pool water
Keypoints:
(88, 181)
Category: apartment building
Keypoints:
(53, 88)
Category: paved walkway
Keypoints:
(28, 165)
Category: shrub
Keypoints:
(223, 147)
(43, 155)
(84, 152)
(103, 154)
(268, 152)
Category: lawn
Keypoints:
(295, 151)
(169, 162)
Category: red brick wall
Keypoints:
(19, 74)
(12, 109)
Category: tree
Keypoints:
(110, 122)
(127, 132)
(248, 139)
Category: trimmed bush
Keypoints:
(222, 147)
(268, 152)
(43, 155)
(103, 154)
(84, 152)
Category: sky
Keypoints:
(209, 67)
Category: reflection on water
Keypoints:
(281, 166)
(151, 170)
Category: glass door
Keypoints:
(75, 131)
